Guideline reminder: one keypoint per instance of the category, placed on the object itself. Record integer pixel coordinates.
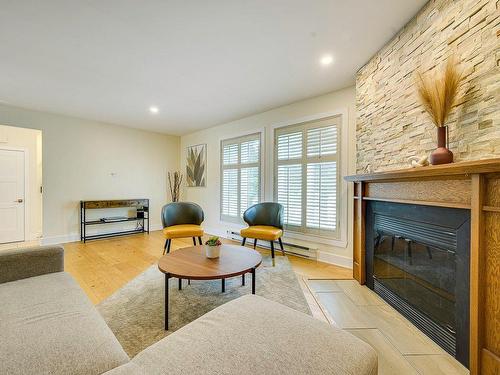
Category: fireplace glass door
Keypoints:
(417, 260)
(421, 273)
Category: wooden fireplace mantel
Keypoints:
(472, 185)
(453, 170)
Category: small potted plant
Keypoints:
(212, 247)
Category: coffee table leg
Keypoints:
(243, 280)
(167, 276)
(223, 285)
(180, 283)
(253, 280)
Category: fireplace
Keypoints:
(417, 259)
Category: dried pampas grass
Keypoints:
(438, 95)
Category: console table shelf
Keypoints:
(140, 205)
(97, 222)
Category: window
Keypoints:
(307, 176)
(240, 176)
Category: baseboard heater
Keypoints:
(290, 248)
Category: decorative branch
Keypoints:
(174, 183)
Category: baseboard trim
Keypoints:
(55, 240)
(75, 237)
(335, 259)
(155, 227)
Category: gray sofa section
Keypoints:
(252, 335)
(47, 323)
(16, 264)
(48, 326)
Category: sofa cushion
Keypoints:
(251, 335)
(48, 326)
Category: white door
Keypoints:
(11, 196)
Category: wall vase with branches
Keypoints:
(438, 96)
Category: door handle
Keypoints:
(19, 200)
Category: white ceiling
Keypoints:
(202, 62)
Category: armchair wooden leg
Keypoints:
(281, 245)
(168, 246)
(272, 249)
(165, 246)
(243, 242)
(194, 241)
(254, 243)
(199, 240)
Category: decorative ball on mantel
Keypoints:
(416, 162)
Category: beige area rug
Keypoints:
(135, 312)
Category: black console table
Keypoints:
(141, 217)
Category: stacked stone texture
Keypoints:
(392, 125)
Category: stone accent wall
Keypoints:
(391, 124)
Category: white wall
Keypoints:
(339, 252)
(30, 141)
(84, 160)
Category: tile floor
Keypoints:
(401, 347)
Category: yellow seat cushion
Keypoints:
(262, 232)
(183, 230)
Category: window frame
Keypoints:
(303, 126)
(238, 166)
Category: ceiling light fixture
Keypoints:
(153, 109)
(326, 60)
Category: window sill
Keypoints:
(316, 239)
(236, 227)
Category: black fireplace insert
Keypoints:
(417, 259)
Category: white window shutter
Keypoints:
(250, 188)
(322, 141)
(230, 192)
(250, 151)
(240, 176)
(290, 146)
(230, 154)
(290, 193)
(322, 196)
(306, 175)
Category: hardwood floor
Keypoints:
(104, 266)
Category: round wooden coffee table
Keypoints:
(192, 264)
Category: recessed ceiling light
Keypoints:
(153, 109)
(326, 60)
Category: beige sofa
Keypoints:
(48, 326)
